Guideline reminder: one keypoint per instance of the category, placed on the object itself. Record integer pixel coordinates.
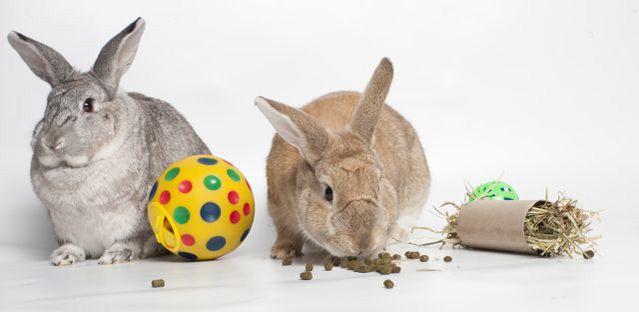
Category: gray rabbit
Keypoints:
(98, 150)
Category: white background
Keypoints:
(543, 92)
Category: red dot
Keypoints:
(185, 186)
(234, 197)
(247, 209)
(165, 197)
(188, 239)
(235, 217)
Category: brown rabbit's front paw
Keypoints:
(283, 250)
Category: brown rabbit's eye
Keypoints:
(88, 105)
(328, 194)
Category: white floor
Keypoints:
(474, 280)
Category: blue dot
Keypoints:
(210, 212)
(153, 190)
(187, 255)
(245, 234)
(216, 243)
(207, 161)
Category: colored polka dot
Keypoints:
(216, 243)
(233, 197)
(233, 175)
(210, 212)
(171, 174)
(207, 161)
(212, 183)
(165, 197)
(247, 209)
(181, 215)
(235, 217)
(153, 190)
(185, 186)
(188, 239)
(245, 234)
(187, 255)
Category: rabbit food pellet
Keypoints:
(384, 264)
(157, 283)
(306, 275)
(328, 265)
(588, 254)
(389, 284)
(412, 254)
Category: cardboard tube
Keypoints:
(495, 224)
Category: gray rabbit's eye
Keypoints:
(87, 107)
(328, 194)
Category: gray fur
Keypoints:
(93, 170)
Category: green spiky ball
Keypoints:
(494, 190)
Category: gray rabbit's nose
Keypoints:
(57, 144)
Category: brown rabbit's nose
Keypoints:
(365, 244)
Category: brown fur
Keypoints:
(367, 152)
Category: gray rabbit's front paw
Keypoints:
(67, 254)
(119, 253)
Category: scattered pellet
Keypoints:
(396, 269)
(389, 284)
(397, 257)
(306, 275)
(385, 270)
(588, 254)
(423, 258)
(309, 267)
(157, 283)
(287, 261)
(448, 259)
(328, 265)
(412, 254)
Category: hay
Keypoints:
(558, 228)
(550, 228)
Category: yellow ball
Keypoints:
(201, 208)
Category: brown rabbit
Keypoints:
(345, 172)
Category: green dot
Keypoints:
(212, 183)
(181, 215)
(172, 174)
(233, 175)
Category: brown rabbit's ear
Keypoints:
(370, 105)
(295, 127)
(117, 55)
(44, 61)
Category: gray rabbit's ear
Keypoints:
(370, 105)
(295, 127)
(44, 61)
(117, 55)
